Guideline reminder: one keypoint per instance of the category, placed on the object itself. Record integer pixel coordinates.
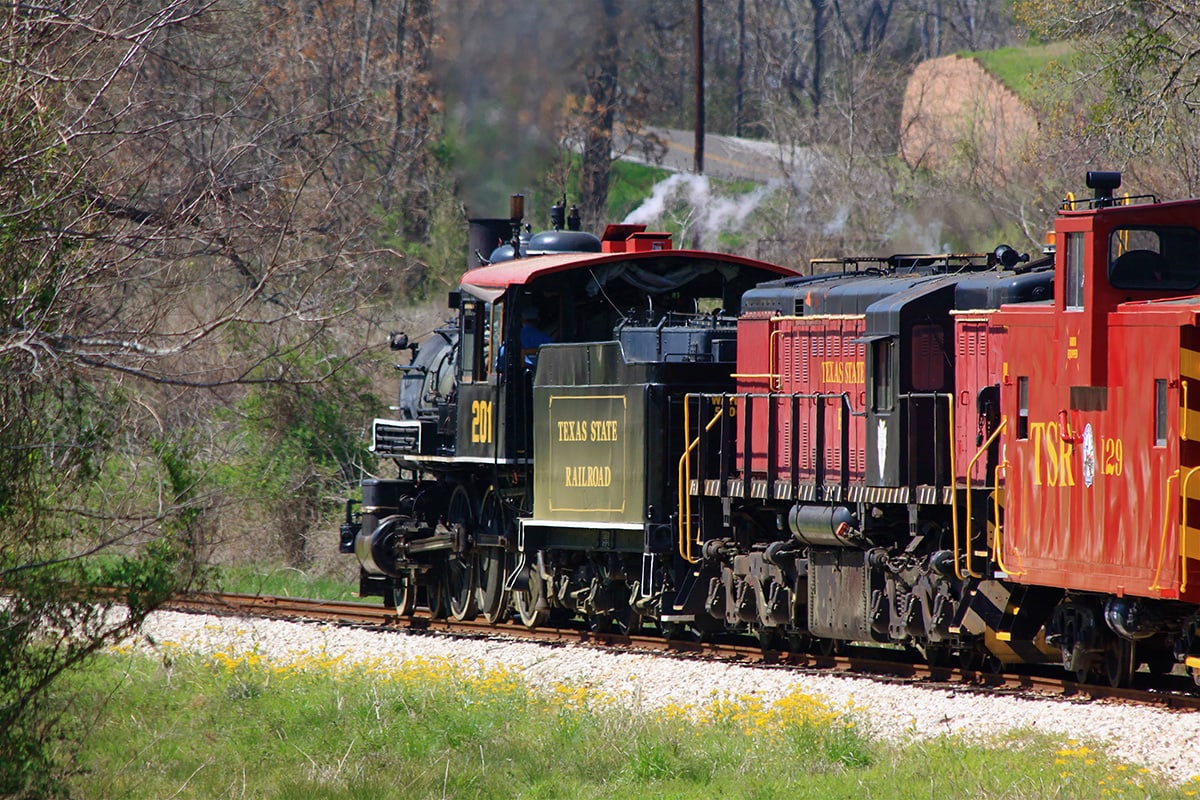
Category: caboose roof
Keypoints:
(492, 281)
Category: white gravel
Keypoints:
(1165, 741)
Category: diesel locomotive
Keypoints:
(990, 458)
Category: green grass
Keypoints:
(1018, 68)
(225, 726)
(282, 581)
(629, 185)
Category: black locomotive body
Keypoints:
(533, 478)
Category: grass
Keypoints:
(236, 726)
(1020, 67)
(282, 581)
(629, 184)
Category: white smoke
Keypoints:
(704, 215)
(909, 235)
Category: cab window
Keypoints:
(1163, 258)
(475, 339)
(1073, 296)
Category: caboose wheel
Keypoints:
(1118, 662)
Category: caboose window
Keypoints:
(1022, 408)
(1160, 412)
(1074, 277)
(1162, 258)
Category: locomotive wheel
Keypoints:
(526, 601)
(621, 618)
(672, 631)
(437, 598)
(460, 586)
(489, 591)
(492, 562)
(826, 648)
(797, 643)
(768, 638)
(938, 654)
(460, 577)
(403, 596)
(1118, 662)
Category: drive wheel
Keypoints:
(460, 586)
(492, 562)
(526, 601)
(460, 575)
(489, 591)
(437, 598)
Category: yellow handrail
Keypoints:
(970, 468)
(999, 541)
(1183, 409)
(685, 478)
(1162, 543)
(950, 398)
(777, 378)
(1183, 527)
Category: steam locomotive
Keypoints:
(988, 458)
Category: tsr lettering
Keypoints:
(1051, 456)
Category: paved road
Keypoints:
(725, 157)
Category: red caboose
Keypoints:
(1100, 462)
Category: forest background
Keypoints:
(213, 212)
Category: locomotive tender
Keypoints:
(981, 457)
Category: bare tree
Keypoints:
(186, 198)
(1135, 87)
(599, 113)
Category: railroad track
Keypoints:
(860, 662)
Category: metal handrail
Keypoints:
(970, 467)
(1162, 542)
(685, 477)
(999, 540)
(1183, 410)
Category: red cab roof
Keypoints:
(492, 281)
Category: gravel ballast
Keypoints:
(1165, 741)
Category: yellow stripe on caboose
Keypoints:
(1191, 542)
(1190, 420)
(1189, 363)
